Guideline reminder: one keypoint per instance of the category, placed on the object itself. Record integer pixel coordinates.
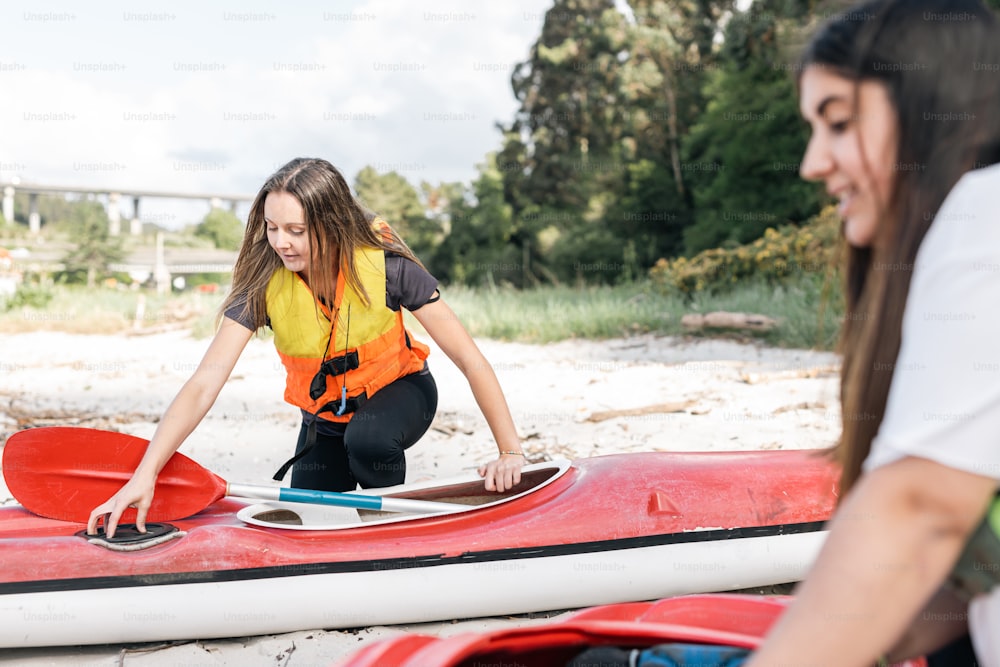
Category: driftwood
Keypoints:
(726, 320)
(796, 374)
(808, 405)
(662, 408)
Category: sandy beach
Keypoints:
(569, 399)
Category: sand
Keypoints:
(569, 399)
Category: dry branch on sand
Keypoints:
(727, 320)
(659, 408)
(812, 373)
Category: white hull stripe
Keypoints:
(416, 562)
(389, 597)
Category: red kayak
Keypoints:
(738, 621)
(573, 534)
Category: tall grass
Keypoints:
(556, 313)
(808, 313)
(807, 316)
(76, 309)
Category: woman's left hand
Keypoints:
(502, 474)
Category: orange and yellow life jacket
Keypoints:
(367, 348)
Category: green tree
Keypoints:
(569, 124)
(750, 139)
(222, 228)
(593, 161)
(94, 247)
(651, 215)
(398, 202)
(478, 248)
(645, 130)
(671, 51)
(673, 48)
(563, 161)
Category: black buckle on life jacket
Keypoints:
(331, 368)
(352, 404)
(340, 365)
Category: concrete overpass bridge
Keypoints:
(161, 264)
(113, 197)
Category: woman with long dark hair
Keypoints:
(331, 279)
(903, 100)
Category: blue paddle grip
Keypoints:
(330, 498)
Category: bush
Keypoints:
(222, 228)
(780, 255)
(28, 296)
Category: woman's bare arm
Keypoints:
(185, 412)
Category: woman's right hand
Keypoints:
(185, 412)
(137, 493)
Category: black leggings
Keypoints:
(370, 452)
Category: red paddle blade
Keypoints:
(64, 472)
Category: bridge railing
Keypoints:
(113, 197)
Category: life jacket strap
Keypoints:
(352, 404)
(309, 444)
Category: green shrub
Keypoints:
(28, 295)
(780, 255)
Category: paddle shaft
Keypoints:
(355, 500)
(64, 472)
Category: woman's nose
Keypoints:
(816, 162)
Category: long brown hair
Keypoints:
(929, 54)
(337, 224)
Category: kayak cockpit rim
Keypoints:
(466, 492)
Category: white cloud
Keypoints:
(212, 96)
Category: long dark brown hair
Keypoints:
(934, 58)
(337, 224)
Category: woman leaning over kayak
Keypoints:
(330, 279)
(903, 100)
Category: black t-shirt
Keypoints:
(407, 285)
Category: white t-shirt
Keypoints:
(944, 401)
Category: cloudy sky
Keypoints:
(212, 96)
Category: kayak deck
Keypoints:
(465, 493)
